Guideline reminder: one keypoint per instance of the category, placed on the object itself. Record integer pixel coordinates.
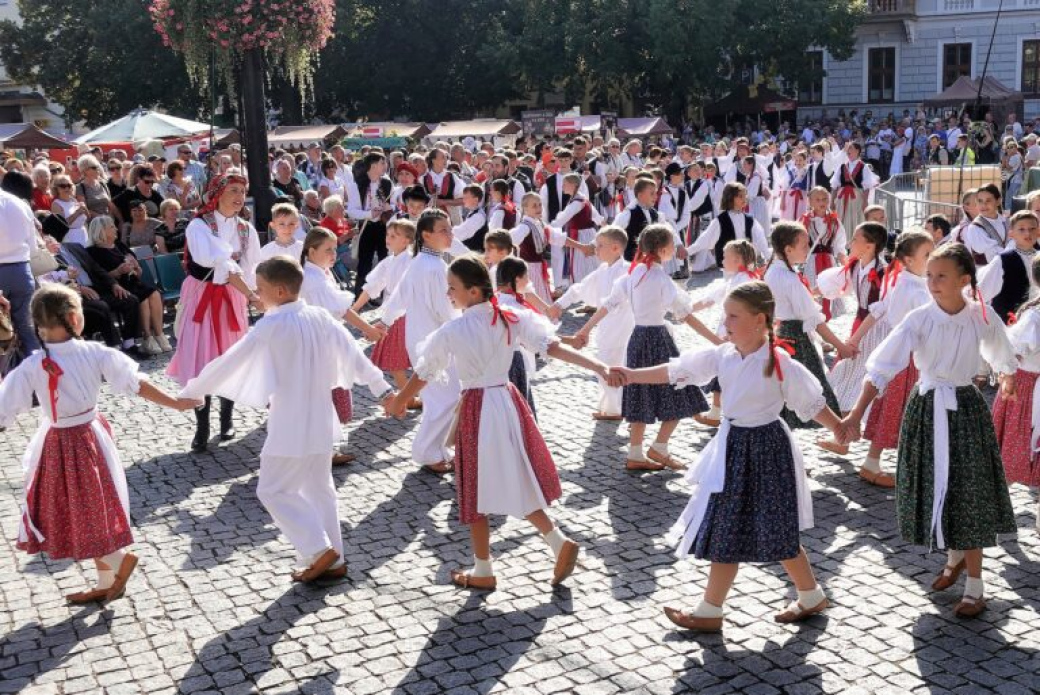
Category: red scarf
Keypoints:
(54, 372)
(757, 275)
(519, 298)
(647, 259)
(891, 276)
(780, 346)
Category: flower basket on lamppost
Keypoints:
(234, 42)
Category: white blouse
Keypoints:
(817, 229)
(227, 251)
(908, 293)
(385, 277)
(650, 294)
(596, 287)
(707, 240)
(321, 290)
(991, 276)
(274, 248)
(837, 282)
(716, 293)
(423, 294)
(794, 301)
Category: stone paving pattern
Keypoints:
(211, 607)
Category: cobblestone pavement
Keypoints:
(211, 607)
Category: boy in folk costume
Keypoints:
(554, 200)
(852, 184)
(823, 161)
(579, 220)
(731, 224)
(639, 215)
(987, 235)
(474, 219)
(1005, 283)
(827, 244)
(674, 206)
(288, 363)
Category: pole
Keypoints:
(212, 99)
(255, 137)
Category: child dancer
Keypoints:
(1004, 283)
(502, 212)
(732, 223)
(950, 487)
(796, 185)
(797, 313)
(504, 466)
(579, 221)
(421, 294)
(828, 244)
(512, 287)
(904, 290)
(852, 183)
(617, 326)
(861, 276)
(390, 353)
(498, 244)
(987, 235)
(1018, 442)
(284, 220)
(751, 498)
(738, 266)
(533, 240)
(288, 362)
(649, 293)
(75, 501)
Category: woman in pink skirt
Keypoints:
(502, 465)
(75, 502)
(221, 252)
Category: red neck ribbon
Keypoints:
(508, 317)
(780, 346)
(520, 299)
(54, 372)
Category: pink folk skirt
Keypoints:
(215, 317)
(391, 354)
(886, 414)
(1012, 421)
(344, 404)
(72, 500)
(466, 452)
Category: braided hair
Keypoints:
(758, 299)
(784, 234)
(961, 256)
(508, 271)
(473, 272)
(426, 224)
(50, 308)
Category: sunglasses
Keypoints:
(147, 180)
(64, 185)
(55, 171)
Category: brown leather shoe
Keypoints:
(666, 461)
(340, 459)
(442, 468)
(126, 568)
(317, 568)
(880, 479)
(462, 579)
(334, 573)
(799, 613)
(606, 417)
(689, 622)
(81, 598)
(948, 577)
(565, 562)
(644, 465)
(969, 607)
(414, 404)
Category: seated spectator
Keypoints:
(119, 262)
(179, 187)
(286, 184)
(142, 180)
(91, 190)
(116, 184)
(336, 222)
(312, 208)
(171, 232)
(74, 212)
(42, 199)
(330, 184)
(141, 230)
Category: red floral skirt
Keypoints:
(344, 403)
(466, 452)
(72, 500)
(390, 354)
(886, 415)
(1013, 422)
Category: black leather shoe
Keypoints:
(200, 443)
(227, 427)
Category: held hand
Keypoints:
(555, 312)
(589, 250)
(183, 404)
(851, 428)
(1007, 387)
(619, 376)
(373, 334)
(394, 406)
(577, 341)
(846, 351)
(681, 253)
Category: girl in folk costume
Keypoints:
(221, 252)
(758, 193)
(797, 313)
(731, 224)
(75, 501)
(626, 194)
(422, 296)
(861, 277)
(852, 184)
(950, 486)
(987, 236)
(969, 211)
(503, 466)
(827, 244)
(321, 289)
(391, 354)
(794, 202)
(904, 290)
(739, 261)
(532, 240)
(1017, 421)
(579, 220)
(594, 291)
(511, 287)
(502, 212)
(649, 293)
(751, 499)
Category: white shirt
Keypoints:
(274, 248)
(1025, 339)
(979, 240)
(385, 277)
(321, 290)
(473, 221)
(707, 240)
(794, 301)
(596, 287)
(335, 186)
(227, 252)
(291, 360)
(818, 229)
(951, 138)
(869, 178)
(423, 295)
(837, 282)
(583, 191)
(17, 229)
(650, 294)
(991, 277)
(716, 292)
(573, 208)
(908, 293)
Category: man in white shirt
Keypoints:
(1032, 157)
(952, 134)
(18, 238)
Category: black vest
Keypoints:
(637, 222)
(707, 207)
(556, 202)
(1015, 290)
(727, 233)
(820, 177)
(476, 242)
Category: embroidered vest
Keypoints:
(728, 233)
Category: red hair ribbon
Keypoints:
(1012, 318)
(647, 259)
(750, 272)
(847, 269)
(508, 317)
(779, 346)
(520, 300)
(891, 275)
(53, 373)
(978, 298)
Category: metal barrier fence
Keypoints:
(912, 197)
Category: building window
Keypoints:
(812, 91)
(956, 62)
(881, 75)
(1031, 67)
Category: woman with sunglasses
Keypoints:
(74, 212)
(116, 182)
(91, 191)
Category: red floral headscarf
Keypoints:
(216, 189)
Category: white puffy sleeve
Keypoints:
(435, 356)
(376, 280)
(1025, 334)
(996, 348)
(802, 391)
(16, 392)
(250, 257)
(714, 293)
(618, 297)
(803, 305)
(893, 354)
(353, 367)
(991, 280)
(316, 291)
(759, 240)
(121, 372)
(584, 291)
(834, 282)
(244, 374)
(706, 241)
(680, 302)
(695, 367)
(211, 251)
(533, 331)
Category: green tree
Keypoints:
(99, 59)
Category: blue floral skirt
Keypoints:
(651, 346)
(518, 378)
(805, 352)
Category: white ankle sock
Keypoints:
(872, 464)
(661, 448)
(481, 568)
(635, 453)
(954, 557)
(808, 599)
(973, 587)
(106, 578)
(555, 539)
(707, 610)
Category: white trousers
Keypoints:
(612, 354)
(439, 401)
(300, 495)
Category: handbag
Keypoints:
(42, 261)
(6, 328)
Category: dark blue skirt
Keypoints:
(755, 517)
(518, 378)
(651, 346)
(713, 386)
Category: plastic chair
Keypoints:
(171, 275)
(148, 274)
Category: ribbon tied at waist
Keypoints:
(216, 298)
(944, 401)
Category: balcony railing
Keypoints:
(889, 8)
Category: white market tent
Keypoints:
(478, 128)
(144, 125)
(643, 127)
(299, 136)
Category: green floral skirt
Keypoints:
(977, 505)
(805, 352)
